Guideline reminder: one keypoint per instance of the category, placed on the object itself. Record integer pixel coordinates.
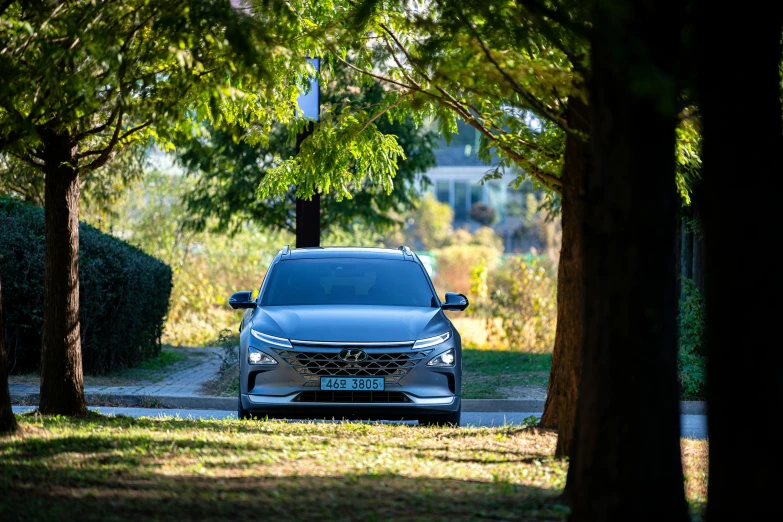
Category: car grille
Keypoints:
(351, 396)
(314, 364)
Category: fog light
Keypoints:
(444, 359)
(256, 357)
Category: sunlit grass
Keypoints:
(138, 469)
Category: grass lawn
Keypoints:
(102, 468)
(499, 374)
(148, 372)
(487, 374)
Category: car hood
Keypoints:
(349, 323)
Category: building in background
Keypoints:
(457, 181)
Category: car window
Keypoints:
(348, 281)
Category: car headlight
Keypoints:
(432, 341)
(258, 357)
(271, 339)
(444, 359)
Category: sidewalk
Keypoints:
(182, 383)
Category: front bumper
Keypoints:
(291, 388)
(286, 407)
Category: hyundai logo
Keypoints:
(353, 355)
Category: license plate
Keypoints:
(353, 383)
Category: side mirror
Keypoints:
(455, 301)
(241, 300)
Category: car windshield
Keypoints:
(352, 281)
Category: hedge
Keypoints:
(124, 294)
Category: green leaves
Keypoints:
(338, 157)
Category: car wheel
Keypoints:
(242, 413)
(445, 419)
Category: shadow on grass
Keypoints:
(346, 497)
(101, 468)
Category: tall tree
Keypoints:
(741, 291)
(228, 170)
(625, 464)
(7, 419)
(81, 80)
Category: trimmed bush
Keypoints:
(124, 294)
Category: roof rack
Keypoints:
(405, 251)
(285, 250)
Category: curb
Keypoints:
(230, 403)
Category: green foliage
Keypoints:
(208, 266)
(229, 170)
(688, 155)
(691, 360)
(429, 225)
(523, 296)
(498, 66)
(124, 294)
(339, 155)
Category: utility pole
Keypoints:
(308, 212)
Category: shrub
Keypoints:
(523, 296)
(124, 294)
(691, 357)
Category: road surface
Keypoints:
(691, 426)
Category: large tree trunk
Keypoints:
(743, 287)
(625, 461)
(62, 384)
(7, 419)
(560, 406)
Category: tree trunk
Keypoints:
(560, 406)
(697, 261)
(308, 212)
(686, 259)
(742, 287)
(7, 419)
(625, 461)
(62, 384)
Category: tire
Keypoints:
(445, 419)
(242, 413)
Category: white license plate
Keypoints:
(353, 383)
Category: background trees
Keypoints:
(228, 170)
(105, 76)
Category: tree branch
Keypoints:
(384, 111)
(101, 128)
(105, 153)
(534, 103)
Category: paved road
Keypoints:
(692, 426)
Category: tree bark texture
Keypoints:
(7, 419)
(560, 406)
(686, 259)
(308, 211)
(62, 383)
(625, 461)
(743, 288)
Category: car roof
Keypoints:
(335, 252)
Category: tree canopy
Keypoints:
(228, 169)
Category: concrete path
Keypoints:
(182, 383)
(691, 426)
